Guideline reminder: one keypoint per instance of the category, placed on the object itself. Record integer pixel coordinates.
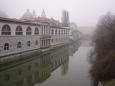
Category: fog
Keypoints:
(82, 12)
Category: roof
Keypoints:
(18, 21)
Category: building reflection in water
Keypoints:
(38, 69)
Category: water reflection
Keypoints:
(38, 69)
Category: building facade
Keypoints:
(29, 33)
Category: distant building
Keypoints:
(30, 32)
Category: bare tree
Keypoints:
(104, 49)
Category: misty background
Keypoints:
(85, 13)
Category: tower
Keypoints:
(65, 19)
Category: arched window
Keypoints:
(6, 30)
(28, 43)
(52, 31)
(36, 42)
(36, 31)
(28, 31)
(19, 45)
(19, 30)
(6, 46)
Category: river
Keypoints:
(64, 66)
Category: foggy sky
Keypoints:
(83, 12)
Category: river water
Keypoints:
(64, 66)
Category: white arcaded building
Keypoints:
(30, 33)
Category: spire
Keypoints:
(34, 13)
(43, 13)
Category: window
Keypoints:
(28, 31)
(19, 45)
(65, 31)
(36, 31)
(6, 46)
(59, 31)
(43, 28)
(20, 71)
(36, 42)
(62, 31)
(68, 32)
(19, 30)
(56, 31)
(52, 31)
(6, 77)
(28, 43)
(6, 30)
(52, 40)
(29, 67)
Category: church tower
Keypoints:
(65, 19)
(43, 13)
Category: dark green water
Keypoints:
(64, 66)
